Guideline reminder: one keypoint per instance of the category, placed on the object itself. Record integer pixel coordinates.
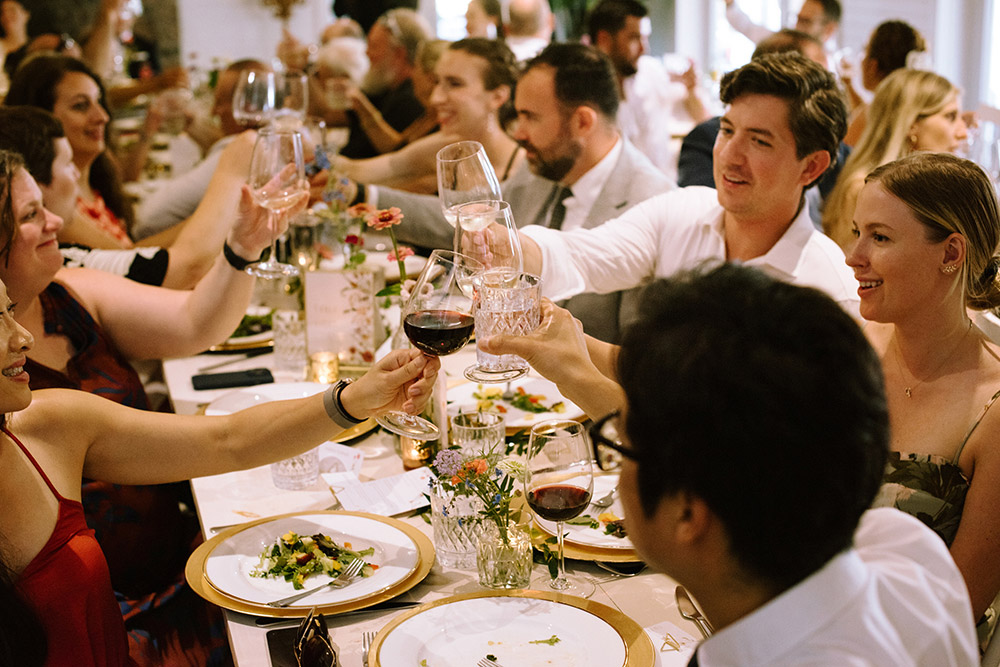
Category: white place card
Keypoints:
(387, 496)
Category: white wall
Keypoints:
(233, 29)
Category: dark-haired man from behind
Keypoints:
(743, 480)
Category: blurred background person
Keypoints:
(484, 18)
(912, 110)
(529, 27)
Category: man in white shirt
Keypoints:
(654, 105)
(528, 25)
(819, 18)
(742, 479)
(784, 122)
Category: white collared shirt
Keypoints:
(895, 599)
(676, 231)
(588, 187)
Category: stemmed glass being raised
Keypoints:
(254, 98)
(277, 177)
(464, 174)
(559, 484)
(437, 318)
(291, 99)
(507, 300)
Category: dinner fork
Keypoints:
(486, 662)
(341, 580)
(366, 644)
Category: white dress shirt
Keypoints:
(587, 187)
(676, 231)
(895, 599)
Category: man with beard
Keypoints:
(581, 170)
(653, 104)
(392, 50)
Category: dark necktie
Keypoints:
(559, 207)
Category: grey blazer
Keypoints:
(634, 179)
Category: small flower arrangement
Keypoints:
(489, 476)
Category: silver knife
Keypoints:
(686, 606)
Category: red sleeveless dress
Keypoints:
(69, 586)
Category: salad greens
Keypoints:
(295, 557)
(253, 324)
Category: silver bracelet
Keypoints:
(335, 409)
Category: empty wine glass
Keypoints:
(558, 486)
(277, 176)
(464, 174)
(291, 99)
(437, 318)
(254, 98)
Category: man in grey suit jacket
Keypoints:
(566, 102)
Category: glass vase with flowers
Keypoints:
(503, 551)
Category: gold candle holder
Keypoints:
(324, 367)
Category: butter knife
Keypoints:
(686, 606)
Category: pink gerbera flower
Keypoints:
(404, 252)
(384, 218)
(360, 210)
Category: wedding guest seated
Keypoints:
(38, 137)
(472, 101)
(742, 479)
(383, 136)
(695, 161)
(892, 46)
(913, 110)
(927, 234)
(100, 220)
(60, 585)
(88, 325)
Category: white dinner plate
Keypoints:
(593, 537)
(460, 399)
(241, 399)
(228, 566)
(462, 632)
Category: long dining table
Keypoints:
(243, 496)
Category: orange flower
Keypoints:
(477, 466)
(384, 218)
(360, 210)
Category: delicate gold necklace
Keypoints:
(909, 390)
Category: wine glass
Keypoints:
(437, 318)
(507, 300)
(277, 176)
(464, 175)
(559, 484)
(291, 99)
(254, 98)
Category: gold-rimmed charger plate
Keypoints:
(589, 553)
(265, 339)
(637, 648)
(200, 583)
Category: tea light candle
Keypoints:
(324, 367)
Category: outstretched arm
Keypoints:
(114, 443)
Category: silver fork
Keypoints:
(486, 662)
(341, 580)
(366, 644)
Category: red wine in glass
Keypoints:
(438, 332)
(558, 502)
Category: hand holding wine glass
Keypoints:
(437, 319)
(277, 176)
(559, 484)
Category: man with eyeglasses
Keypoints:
(753, 435)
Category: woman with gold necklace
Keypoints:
(927, 231)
